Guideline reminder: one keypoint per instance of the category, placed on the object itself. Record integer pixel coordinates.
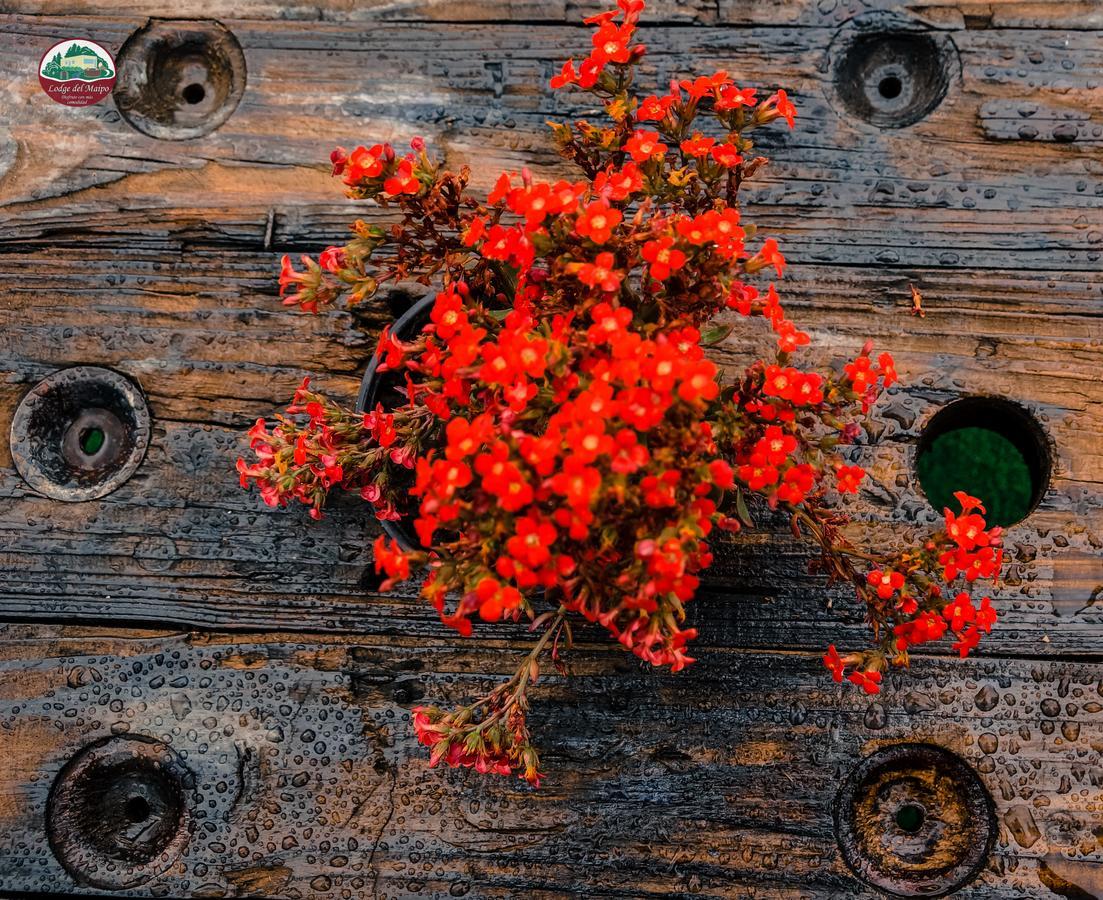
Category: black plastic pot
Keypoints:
(382, 388)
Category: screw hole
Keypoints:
(137, 809)
(194, 93)
(91, 441)
(890, 87)
(990, 448)
(910, 817)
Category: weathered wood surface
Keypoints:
(156, 258)
(716, 783)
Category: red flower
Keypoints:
(985, 616)
(966, 531)
(495, 599)
(403, 181)
(720, 473)
(785, 107)
(888, 369)
(848, 478)
(630, 454)
(778, 106)
(697, 230)
(705, 85)
(663, 256)
(728, 156)
(654, 109)
(601, 273)
(968, 641)
(797, 484)
(501, 478)
(758, 473)
(609, 322)
(597, 221)
(448, 314)
(730, 97)
(534, 203)
(769, 255)
(362, 164)
(577, 483)
(612, 184)
(644, 145)
(465, 438)
(501, 189)
(697, 145)
(611, 44)
(886, 582)
(834, 664)
(390, 558)
(959, 612)
(775, 446)
(699, 382)
(868, 680)
(532, 541)
(783, 383)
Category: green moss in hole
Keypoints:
(981, 462)
(92, 440)
(909, 818)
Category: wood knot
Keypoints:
(915, 820)
(80, 433)
(179, 79)
(888, 74)
(120, 812)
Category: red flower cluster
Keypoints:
(566, 448)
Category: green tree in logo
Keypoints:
(53, 67)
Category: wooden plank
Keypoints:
(181, 544)
(1036, 14)
(1005, 206)
(308, 781)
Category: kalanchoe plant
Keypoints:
(570, 446)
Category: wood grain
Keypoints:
(311, 786)
(272, 667)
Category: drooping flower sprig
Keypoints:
(565, 447)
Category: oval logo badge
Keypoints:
(76, 72)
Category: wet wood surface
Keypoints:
(249, 641)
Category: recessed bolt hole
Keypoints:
(137, 809)
(80, 433)
(194, 93)
(914, 820)
(891, 79)
(179, 79)
(91, 440)
(910, 817)
(990, 448)
(890, 87)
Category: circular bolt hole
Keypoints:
(891, 78)
(194, 93)
(120, 812)
(137, 809)
(80, 433)
(179, 80)
(915, 820)
(910, 817)
(990, 448)
(890, 87)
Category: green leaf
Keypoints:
(714, 334)
(741, 509)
